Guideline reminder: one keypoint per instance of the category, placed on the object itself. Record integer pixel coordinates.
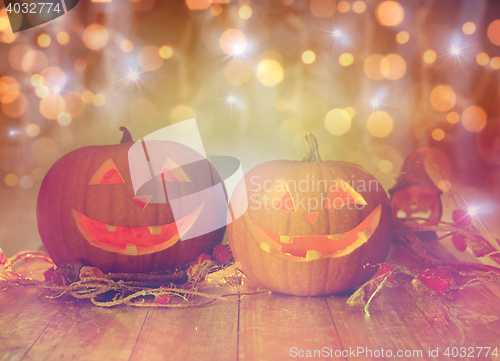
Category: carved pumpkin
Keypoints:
(311, 226)
(87, 209)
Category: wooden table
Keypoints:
(259, 327)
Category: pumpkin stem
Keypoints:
(313, 153)
(127, 137)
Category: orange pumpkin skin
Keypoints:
(282, 273)
(66, 188)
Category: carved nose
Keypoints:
(142, 201)
(310, 217)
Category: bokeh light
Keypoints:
(26, 182)
(11, 179)
(385, 166)
(393, 66)
(379, 124)
(99, 100)
(166, 52)
(43, 40)
(346, 59)
(245, 12)
(469, 28)
(34, 61)
(438, 134)
(350, 111)
(215, 10)
(372, 67)
(80, 64)
(494, 32)
(64, 118)
(269, 72)
(337, 121)
(482, 59)
(322, 8)
(495, 62)
(402, 37)
(443, 98)
(63, 38)
(343, 6)
(198, 4)
(14, 104)
(33, 130)
(95, 36)
(126, 46)
(233, 42)
(453, 117)
(37, 174)
(474, 118)
(359, 7)
(308, 57)
(390, 13)
(149, 58)
(52, 105)
(430, 56)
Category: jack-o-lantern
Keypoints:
(312, 227)
(87, 209)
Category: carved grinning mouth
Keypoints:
(313, 247)
(134, 241)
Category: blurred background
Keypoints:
(373, 80)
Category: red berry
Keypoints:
(384, 269)
(202, 258)
(461, 217)
(459, 242)
(165, 298)
(221, 254)
(436, 279)
(87, 271)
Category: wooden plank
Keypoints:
(23, 318)
(82, 331)
(395, 325)
(279, 327)
(204, 333)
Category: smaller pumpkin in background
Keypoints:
(88, 209)
(312, 227)
(415, 194)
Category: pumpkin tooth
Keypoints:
(336, 236)
(131, 250)
(364, 234)
(285, 239)
(265, 247)
(312, 255)
(110, 228)
(155, 229)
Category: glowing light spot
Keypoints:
(438, 134)
(402, 37)
(453, 117)
(99, 100)
(443, 98)
(359, 7)
(390, 13)
(472, 210)
(375, 103)
(11, 179)
(43, 40)
(126, 46)
(322, 8)
(337, 121)
(482, 59)
(42, 91)
(26, 182)
(51, 106)
(343, 6)
(245, 12)
(14, 104)
(87, 96)
(33, 130)
(149, 58)
(36, 80)
(379, 124)
(237, 71)
(455, 50)
(372, 67)
(474, 118)
(494, 32)
(63, 38)
(308, 57)
(166, 52)
(393, 67)
(54, 76)
(95, 36)
(9, 38)
(469, 28)
(280, 105)
(337, 33)
(80, 65)
(133, 75)
(385, 166)
(346, 59)
(430, 56)
(215, 10)
(198, 4)
(444, 185)
(64, 119)
(350, 111)
(56, 89)
(233, 42)
(74, 104)
(495, 62)
(269, 72)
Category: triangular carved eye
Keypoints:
(340, 194)
(172, 172)
(107, 174)
(277, 196)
